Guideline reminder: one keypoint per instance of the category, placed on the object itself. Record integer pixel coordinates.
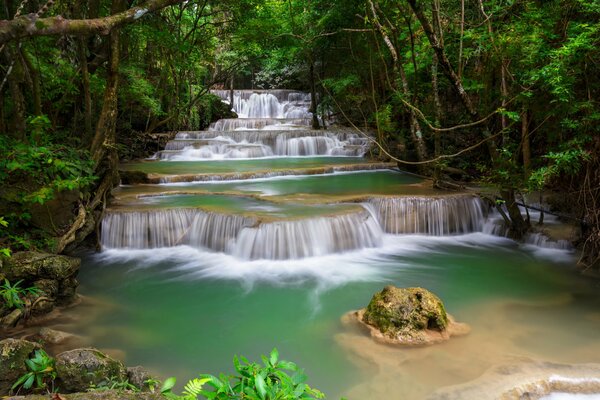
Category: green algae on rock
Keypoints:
(408, 316)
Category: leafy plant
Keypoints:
(13, 293)
(41, 372)
(4, 251)
(114, 383)
(253, 381)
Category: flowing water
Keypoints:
(232, 260)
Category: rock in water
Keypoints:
(78, 369)
(411, 316)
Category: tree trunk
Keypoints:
(86, 137)
(35, 82)
(416, 132)
(518, 226)
(525, 142)
(313, 97)
(17, 125)
(103, 148)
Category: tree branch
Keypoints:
(32, 25)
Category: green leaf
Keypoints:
(29, 382)
(274, 357)
(168, 384)
(261, 386)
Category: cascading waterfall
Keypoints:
(431, 216)
(271, 123)
(232, 124)
(168, 228)
(267, 104)
(254, 144)
(237, 235)
(308, 237)
(248, 239)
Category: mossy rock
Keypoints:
(99, 395)
(412, 316)
(133, 177)
(32, 265)
(13, 353)
(79, 369)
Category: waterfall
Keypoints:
(173, 227)
(539, 239)
(431, 216)
(189, 146)
(267, 104)
(308, 237)
(237, 235)
(232, 124)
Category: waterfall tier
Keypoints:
(189, 146)
(308, 237)
(247, 238)
(232, 124)
(431, 216)
(267, 103)
(173, 227)
(238, 235)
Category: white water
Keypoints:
(431, 216)
(269, 123)
(267, 104)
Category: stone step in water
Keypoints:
(335, 187)
(223, 170)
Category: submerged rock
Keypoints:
(13, 353)
(78, 369)
(409, 316)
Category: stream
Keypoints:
(260, 233)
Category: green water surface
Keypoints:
(184, 312)
(338, 184)
(232, 165)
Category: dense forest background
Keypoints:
(503, 92)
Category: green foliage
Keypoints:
(12, 294)
(31, 174)
(41, 372)
(4, 251)
(113, 383)
(253, 381)
(567, 162)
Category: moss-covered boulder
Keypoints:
(78, 369)
(99, 395)
(411, 316)
(13, 353)
(33, 266)
(53, 275)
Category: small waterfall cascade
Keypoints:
(287, 104)
(248, 238)
(431, 216)
(240, 236)
(271, 123)
(189, 146)
(308, 237)
(168, 228)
